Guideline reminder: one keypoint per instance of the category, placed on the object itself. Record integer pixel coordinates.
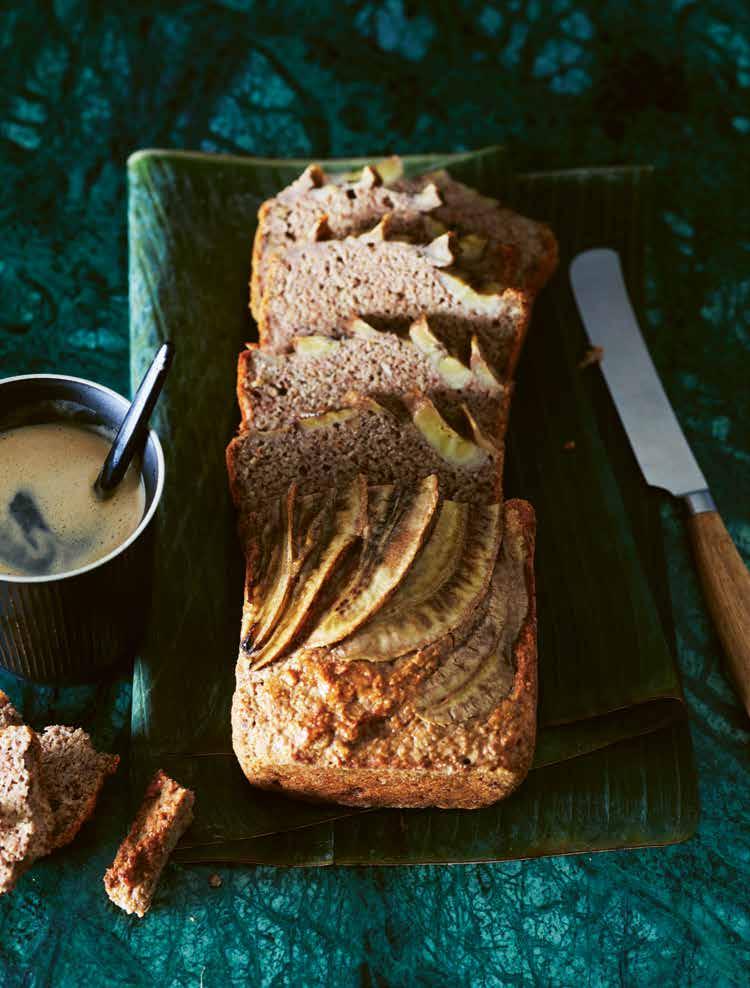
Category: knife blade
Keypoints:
(661, 449)
(655, 435)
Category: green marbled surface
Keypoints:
(81, 85)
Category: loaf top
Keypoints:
(436, 709)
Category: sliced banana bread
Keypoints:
(348, 206)
(316, 288)
(73, 774)
(505, 246)
(165, 814)
(451, 724)
(276, 389)
(25, 816)
(402, 444)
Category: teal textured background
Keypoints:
(562, 83)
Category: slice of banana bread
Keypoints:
(165, 814)
(25, 816)
(73, 774)
(8, 713)
(452, 725)
(316, 288)
(399, 444)
(65, 777)
(276, 389)
(508, 247)
(348, 206)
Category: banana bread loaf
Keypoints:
(395, 444)
(451, 724)
(388, 644)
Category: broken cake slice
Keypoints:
(26, 820)
(165, 814)
(73, 773)
(60, 773)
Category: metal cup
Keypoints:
(78, 626)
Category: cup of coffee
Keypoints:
(75, 569)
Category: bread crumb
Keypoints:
(215, 881)
(594, 355)
(570, 444)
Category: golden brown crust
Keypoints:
(526, 302)
(261, 313)
(243, 361)
(546, 266)
(362, 745)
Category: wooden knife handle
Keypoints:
(726, 585)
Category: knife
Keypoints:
(662, 451)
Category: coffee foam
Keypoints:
(50, 519)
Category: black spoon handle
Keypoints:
(135, 422)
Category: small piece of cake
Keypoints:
(73, 774)
(165, 814)
(49, 785)
(8, 713)
(25, 816)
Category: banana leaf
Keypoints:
(559, 810)
(610, 698)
